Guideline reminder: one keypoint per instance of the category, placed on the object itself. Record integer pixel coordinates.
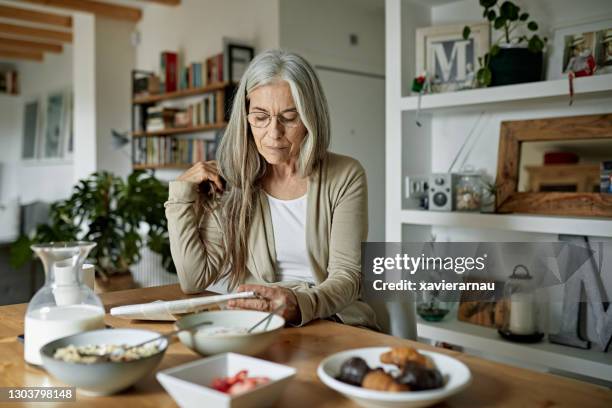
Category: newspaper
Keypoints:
(168, 310)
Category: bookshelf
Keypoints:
(160, 166)
(162, 148)
(178, 131)
(150, 99)
(415, 150)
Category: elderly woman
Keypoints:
(277, 213)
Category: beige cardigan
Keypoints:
(336, 224)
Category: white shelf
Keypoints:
(600, 85)
(601, 227)
(591, 363)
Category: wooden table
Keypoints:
(493, 385)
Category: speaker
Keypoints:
(440, 192)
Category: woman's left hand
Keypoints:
(270, 297)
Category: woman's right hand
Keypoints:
(202, 172)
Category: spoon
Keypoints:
(267, 318)
(124, 349)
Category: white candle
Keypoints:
(522, 314)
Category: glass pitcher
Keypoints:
(64, 305)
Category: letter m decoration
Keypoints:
(586, 282)
(443, 62)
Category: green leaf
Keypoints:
(535, 44)
(509, 11)
(533, 26)
(484, 76)
(466, 32)
(494, 50)
(487, 59)
(524, 17)
(488, 3)
(20, 252)
(499, 22)
(491, 15)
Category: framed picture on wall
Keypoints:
(68, 136)
(585, 49)
(31, 129)
(54, 126)
(237, 56)
(450, 61)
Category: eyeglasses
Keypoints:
(289, 119)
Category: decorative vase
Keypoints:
(516, 65)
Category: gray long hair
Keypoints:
(239, 161)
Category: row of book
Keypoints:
(208, 109)
(195, 75)
(158, 118)
(9, 82)
(171, 150)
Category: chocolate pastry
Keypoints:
(353, 370)
(419, 377)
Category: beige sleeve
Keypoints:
(196, 245)
(349, 228)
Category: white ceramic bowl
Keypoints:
(189, 384)
(108, 377)
(455, 373)
(247, 343)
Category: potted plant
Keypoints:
(516, 56)
(113, 213)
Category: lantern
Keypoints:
(522, 315)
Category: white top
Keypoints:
(289, 225)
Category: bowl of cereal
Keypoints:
(100, 362)
(229, 332)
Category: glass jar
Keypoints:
(468, 192)
(432, 307)
(523, 314)
(64, 305)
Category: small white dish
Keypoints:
(456, 374)
(208, 344)
(189, 384)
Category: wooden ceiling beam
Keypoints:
(98, 8)
(12, 43)
(35, 16)
(22, 55)
(42, 33)
(165, 2)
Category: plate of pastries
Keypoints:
(394, 377)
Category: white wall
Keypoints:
(84, 64)
(319, 30)
(115, 59)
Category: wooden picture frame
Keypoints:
(513, 133)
